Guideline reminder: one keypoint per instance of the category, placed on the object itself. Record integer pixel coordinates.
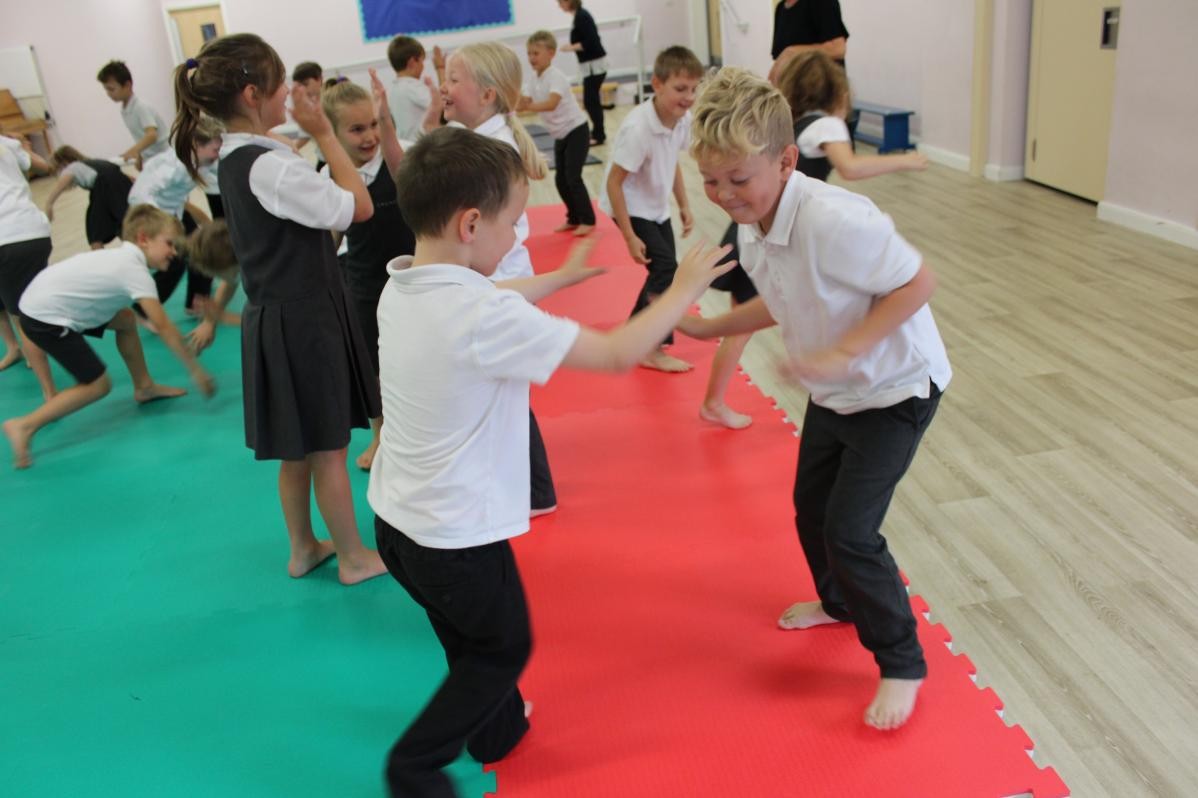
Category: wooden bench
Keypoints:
(895, 127)
(607, 93)
(14, 123)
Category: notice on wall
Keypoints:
(382, 19)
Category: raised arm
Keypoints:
(388, 137)
(310, 117)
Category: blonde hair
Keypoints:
(148, 220)
(738, 114)
(340, 94)
(543, 38)
(210, 250)
(495, 66)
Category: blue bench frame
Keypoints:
(895, 127)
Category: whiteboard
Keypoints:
(19, 73)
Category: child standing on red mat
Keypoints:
(450, 480)
(850, 295)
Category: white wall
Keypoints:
(1008, 89)
(73, 39)
(748, 44)
(1153, 165)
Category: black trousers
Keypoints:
(475, 601)
(543, 494)
(166, 281)
(570, 155)
(594, 106)
(663, 262)
(849, 466)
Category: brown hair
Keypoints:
(677, 60)
(307, 70)
(148, 220)
(573, 5)
(66, 154)
(115, 70)
(812, 81)
(543, 38)
(211, 83)
(452, 169)
(403, 49)
(210, 250)
(340, 94)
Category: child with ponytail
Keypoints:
(306, 372)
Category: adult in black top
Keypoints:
(584, 40)
(807, 25)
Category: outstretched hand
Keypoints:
(307, 113)
(701, 265)
(575, 266)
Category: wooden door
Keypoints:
(196, 26)
(1070, 94)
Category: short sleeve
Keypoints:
(514, 339)
(867, 253)
(559, 84)
(289, 188)
(831, 23)
(138, 283)
(631, 149)
(822, 131)
(146, 117)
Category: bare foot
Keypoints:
(805, 615)
(366, 458)
(660, 361)
(18, 438)
(893, 703)
(538, 511)
(154, 391)
(528, 709)
(365, 566)
(10, 357)
(720, 413)
(302, 562)
(583, 230)
(563, 227)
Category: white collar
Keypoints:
(231, 141)
(788, 209)
(492, 126)
(435, 273)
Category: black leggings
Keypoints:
(590, 100)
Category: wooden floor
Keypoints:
(1051, 517)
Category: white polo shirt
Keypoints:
(567, 116)
(137, 117)
(517, 262)
(826, 260)
(822, 131)
(408, 99)
(456, 356)
(649, 151)
(86, 290)
(20, 218)
(164, 183)
(288, 186)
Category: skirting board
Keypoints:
(993, 171)
(954, 160)
(1152, 225)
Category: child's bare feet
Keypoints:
(154, 391)
(805, 615)
(10, 357)
(366, 565)
(18, 438)
(661, 361)
(563, 227)
(366, 458)
(304, 560)
(583, 230)
(720, 413)
(893, 703)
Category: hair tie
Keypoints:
(342, 78)
(192, 63)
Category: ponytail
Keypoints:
(187, 119)
(534, 163)
(496, 66)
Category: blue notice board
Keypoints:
(382, 19)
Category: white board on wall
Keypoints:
(19, 73)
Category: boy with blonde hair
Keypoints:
(850, 295)
(642, 171)
(87, 294)
(450, 482)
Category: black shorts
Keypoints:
(68, 348)
(20, 262)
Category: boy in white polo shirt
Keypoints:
(548, 93)
(642, 171)
(144, 123)
(450, 482)
(850, 295)
(87, 294)
(410, 94)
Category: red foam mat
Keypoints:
(654, 589)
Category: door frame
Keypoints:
(172, 32)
